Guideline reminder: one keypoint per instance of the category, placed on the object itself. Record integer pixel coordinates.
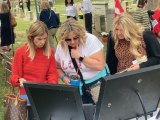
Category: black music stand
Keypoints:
(55, 102)
(123, 95)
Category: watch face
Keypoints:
(81, 59)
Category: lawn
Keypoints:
(21, 31)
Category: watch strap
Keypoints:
(81, 58)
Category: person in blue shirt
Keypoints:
(49, 17)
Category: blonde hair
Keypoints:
(71, 25)
(4, 7)
(45, 4)
(37, 28)
(132, 32)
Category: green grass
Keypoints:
(3, 89)
(21, 31)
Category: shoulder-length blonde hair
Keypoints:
(132, 32)
(45, 4)
(4, 8)
(37, 28)
(71, 25)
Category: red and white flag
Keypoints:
(118, 8)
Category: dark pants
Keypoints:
(72, 17)
(87, 99)
(88, 22)
(28, 5)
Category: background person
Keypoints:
(87, 11)
(141, 15)
(71, 10)
(130, 47)
(21, 5)
(87, 50)
(34, 61)
(49, 17)
(7, 31)
(28, 4)
(156, 21)
(9, 4)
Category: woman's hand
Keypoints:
(66, 80)
(75, 53)
(21, 80)
(133, 67)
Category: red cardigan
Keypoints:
(40, 69)
(156, 16)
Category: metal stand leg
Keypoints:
(158, 115)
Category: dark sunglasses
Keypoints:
(69, 40)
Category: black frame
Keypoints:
(64, 95)
(118, 99)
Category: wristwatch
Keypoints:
(63, 76)
(81, 58)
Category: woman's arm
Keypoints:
(111, 58)
(16, 69)
(62, 75)
(152, 49)
(95, 61)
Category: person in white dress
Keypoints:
(71, 10)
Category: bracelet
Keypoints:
(62, 77)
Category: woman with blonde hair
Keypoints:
(7, 31)
(86, 49)
(34, 61)
(130, 47)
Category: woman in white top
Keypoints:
(87, 50)
(71, 10)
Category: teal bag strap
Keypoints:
(107, 70)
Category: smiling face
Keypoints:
(40, 40)
(72, 39)
(119, 32)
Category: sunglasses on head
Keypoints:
(69, 39)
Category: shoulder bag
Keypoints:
(15, 108)
(13, 20)
(85, 89)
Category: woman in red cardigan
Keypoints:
(34, 61)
